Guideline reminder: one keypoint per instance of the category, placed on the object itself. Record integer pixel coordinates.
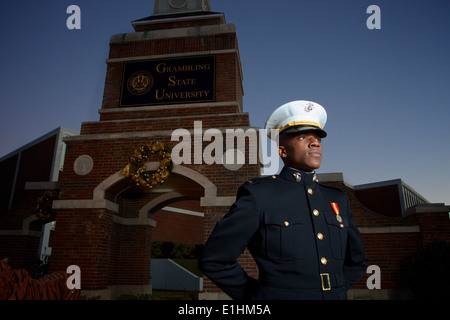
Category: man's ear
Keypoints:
(282, 152)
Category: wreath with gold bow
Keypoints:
(137, 170)
(44, 210)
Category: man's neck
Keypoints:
(310, 172)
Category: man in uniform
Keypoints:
(300, 232)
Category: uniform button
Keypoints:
(316, 212)
(310, 191)
(323, 261)
(319, 236)
(286, 223)
(342, 226)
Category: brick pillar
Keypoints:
(434, 222)
(83, 237)
(135, 256)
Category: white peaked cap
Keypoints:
(296, 116)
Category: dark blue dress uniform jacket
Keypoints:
(302, 249)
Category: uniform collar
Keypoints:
(294, 175)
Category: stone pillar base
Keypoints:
(113, 292)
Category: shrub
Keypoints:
(431, 272)
(170, 250)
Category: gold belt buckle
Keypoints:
(325, 286)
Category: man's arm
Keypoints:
(226, 243)
(355, 262)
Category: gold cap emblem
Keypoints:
(309, 107)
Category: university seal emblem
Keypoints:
(140, 83)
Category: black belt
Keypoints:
(323, 281)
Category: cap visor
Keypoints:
(298, 129)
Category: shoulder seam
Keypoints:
(262, 179)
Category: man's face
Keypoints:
(302, 151)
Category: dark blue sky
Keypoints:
(386, 91)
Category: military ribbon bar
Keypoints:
(335, 207)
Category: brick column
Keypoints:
(434, 222)
(83, 237)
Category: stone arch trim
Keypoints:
(26, 224)
(99, 191)
(98, 201)
(25, 231)
(209, 199)
(166, 197)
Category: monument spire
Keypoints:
(181, 6)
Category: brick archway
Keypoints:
(210, 194)
(120, 218)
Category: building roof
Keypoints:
(40, 160)
(391, 197)
(60, 131)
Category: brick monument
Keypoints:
(180, 68)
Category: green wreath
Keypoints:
(44, 210)
(137, 170)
